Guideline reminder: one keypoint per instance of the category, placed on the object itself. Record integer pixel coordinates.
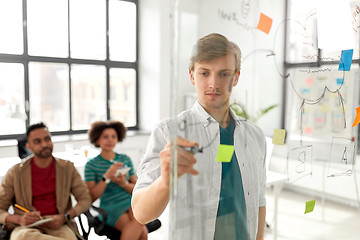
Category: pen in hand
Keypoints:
(23, 209)
(193, 149)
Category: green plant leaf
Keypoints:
(264, 111)
(240, 110)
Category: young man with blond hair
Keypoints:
(215, 200)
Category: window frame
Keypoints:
(25, 59)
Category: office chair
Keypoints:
(3, 233)
(101, 228)
(23, 151)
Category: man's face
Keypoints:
(39, 142)
(214, 81)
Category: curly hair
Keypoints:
(98, 127)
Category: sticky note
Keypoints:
(339, 81)
(308, 130)
(309, 207)
(304, 90)
(357, 117)
(345, 61)
(279, 136)
(319, 120)
(264, 23)
(324, 108)
(309, 81)
(225, 153)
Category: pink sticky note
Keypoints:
(308, 130)
(309, 81)
(320, 120)
(264, 23)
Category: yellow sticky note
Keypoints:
(309, 207)
(264, 23)
(279, 136)
(324, 108)
(225, 153)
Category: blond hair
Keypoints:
(214, 46)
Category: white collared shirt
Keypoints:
(196, 205)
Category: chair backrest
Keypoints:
(23, 151)
(92, 221)
(4, 235)
(101, 228)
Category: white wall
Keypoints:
(154, 62)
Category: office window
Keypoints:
(67, 63)
(12, 102)
(122, 31)
(47, 25)
(11, 27)
(301, 32)
(49, 95)
(88, 32)
(123, 94)
(315, 85)
(88, 95)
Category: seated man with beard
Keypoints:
(42, 186)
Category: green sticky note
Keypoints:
(225, 153)
(309, 206)
(279, 136)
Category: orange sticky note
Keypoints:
(264, 23)
(357, 117)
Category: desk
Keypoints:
(276, 180)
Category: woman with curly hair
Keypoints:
(105, 182)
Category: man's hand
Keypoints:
(148, 203)
(29, 218)
(185, 159)
(57, 221)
